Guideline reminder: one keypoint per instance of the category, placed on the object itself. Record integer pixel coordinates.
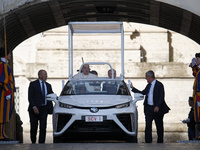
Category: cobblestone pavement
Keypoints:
(101, 146)
(95, 145)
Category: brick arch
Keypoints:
(35, 17)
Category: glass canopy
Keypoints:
(94, 27)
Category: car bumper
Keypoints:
(113, 119)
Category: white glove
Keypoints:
(8, 97)
(193, 62)
(186, 120)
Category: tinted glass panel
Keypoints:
(104, 87)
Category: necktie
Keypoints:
(148, 93)
(43, 93)
(149, 89)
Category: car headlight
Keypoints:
(123, 105)
(65, 105)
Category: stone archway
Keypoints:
(27, 18)
(35, 17)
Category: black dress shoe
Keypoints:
(6, 139)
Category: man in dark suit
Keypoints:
(39, 107)
(154, 106)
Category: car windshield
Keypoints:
(90, 87)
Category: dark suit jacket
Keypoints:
(158, 97)
(35, 96)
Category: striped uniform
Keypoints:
(195, 69)
(7, 87)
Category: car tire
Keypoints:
(131, 139)
(57, 139)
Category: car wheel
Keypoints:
(131, 139)
(58, 140)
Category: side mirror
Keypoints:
(52, 97)
(138, 97)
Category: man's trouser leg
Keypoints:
(33, 126)
(148, 119)
(197, 131)
(3, 135)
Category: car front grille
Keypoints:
(105, 126)
(106, 130)
(63, 119)
(126, 120)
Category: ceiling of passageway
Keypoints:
(33, 18)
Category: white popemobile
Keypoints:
(98, 108)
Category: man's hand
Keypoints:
(186, 120)
(8, 97)
(131, 84)
(36, 111)
(156, 109)
(193, 62)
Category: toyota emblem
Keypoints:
(94, 109)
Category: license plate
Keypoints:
(93, 118)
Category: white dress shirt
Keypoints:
(150, 94)
(45, 89)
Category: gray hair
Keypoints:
(151, 74)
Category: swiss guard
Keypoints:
(7, 89)
(196, 97)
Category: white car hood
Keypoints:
(94, 100)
